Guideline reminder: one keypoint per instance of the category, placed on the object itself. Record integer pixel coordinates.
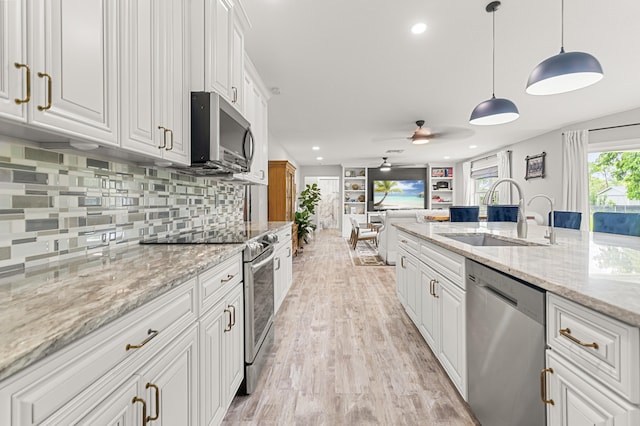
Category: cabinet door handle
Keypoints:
(431, 286)
(164, 137)
(28, 77)
(151, 385)
(434, 288)
(233, 321)
(235, 94)
(150, 332)
(144, 408)
(543, 386)
(262, 175)
(229, 323)
(402, 261)
(169, 148)
(226, 280)
(288, 251)
(277, 267)
(49, 91)
(566, 332)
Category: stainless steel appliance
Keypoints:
(258, 307)
(258, 287)
(505, 348)
(221, 138)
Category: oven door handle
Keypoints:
(262, 263)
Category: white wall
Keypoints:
(551, 143)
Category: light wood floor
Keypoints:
(346, 353)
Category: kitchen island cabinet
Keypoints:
(593, 313)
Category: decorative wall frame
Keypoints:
(535, 166)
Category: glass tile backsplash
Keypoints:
(58, 205)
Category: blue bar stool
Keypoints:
(464, 214)
(617, 223)
(562, 219)
(502, 213)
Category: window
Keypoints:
(614, 181)
(484, 173)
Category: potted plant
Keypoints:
(309, 199)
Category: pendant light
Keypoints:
(495, 110)
(385, 166)
(565, 71)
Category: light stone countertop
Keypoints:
(597, 270)
(45, 308)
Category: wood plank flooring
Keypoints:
(346, 353)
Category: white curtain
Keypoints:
(575, 174)
(504, 171)
(467, 186)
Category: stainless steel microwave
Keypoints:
(221, 138)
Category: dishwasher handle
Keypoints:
(507, 299)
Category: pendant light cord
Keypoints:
(493, 69)
(562, 26)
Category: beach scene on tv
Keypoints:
(398, 194)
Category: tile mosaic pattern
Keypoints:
(59, 205)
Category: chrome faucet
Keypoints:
(522, 220)
(551, 233)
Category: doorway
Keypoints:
(328, 211)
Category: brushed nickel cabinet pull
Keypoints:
(566, 332)
(144, 408)
(150, 332)
(434, 288)
(226, 280)
(233, 321)
(164, 137)
(262, 174)
(28, 77)
(49, 91)
(431, 286)
(402, 261)
(169, 148)
(235, 95)
(229, 323)
(151, 385)
(543, 386)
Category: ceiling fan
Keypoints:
(423, 135)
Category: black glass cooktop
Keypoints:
(232, 235)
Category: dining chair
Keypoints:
(617, 223)
(464, 213)
(360, 234)
(569, 220)
(502, 213)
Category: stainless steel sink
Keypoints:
(487, 240)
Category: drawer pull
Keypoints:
(27, 98)
(151, 385)
(543, 386)
(229, 323)
(226, 280)
(144, 409)
(151, 333)
(567, 333)
(404, 241)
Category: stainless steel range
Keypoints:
(258, 288)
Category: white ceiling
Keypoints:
(350, 71)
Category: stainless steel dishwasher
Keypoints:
(505, 348)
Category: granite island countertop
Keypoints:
(48, 307)
(597, 270)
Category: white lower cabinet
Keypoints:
(221, 356)
(176, 360)
(282, 268)
(435, 302)
(580, 400)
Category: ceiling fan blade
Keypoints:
(389, 139)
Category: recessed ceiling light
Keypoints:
(319, 158)
(419, 28)
(446, 157)
(315, 148)
(473, 146)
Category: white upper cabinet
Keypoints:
(237, 64)
(73, 62)
(15, 73)
(256, 111)
(218, 37)
(155, 92)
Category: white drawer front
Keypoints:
(449, 264)
(606, 348)
(58, 379)
(408, 243)
(226, 275)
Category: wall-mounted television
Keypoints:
(398, 194)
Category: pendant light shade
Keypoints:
(495, 110)
(385, 166)
(565, 71)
